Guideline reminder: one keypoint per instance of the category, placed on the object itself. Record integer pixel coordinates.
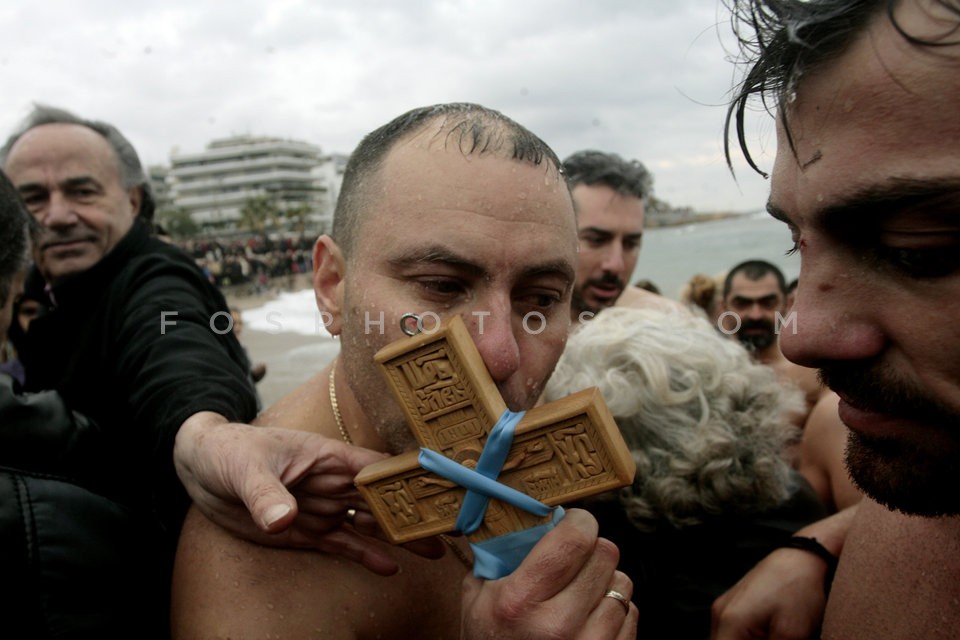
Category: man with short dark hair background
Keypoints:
(610, 195)
(755, 311)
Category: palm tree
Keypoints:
(257, 211)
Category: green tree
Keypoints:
(298, 216)
(177, 222)
(257, 212)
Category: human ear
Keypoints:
(136, 199)
(328, 272)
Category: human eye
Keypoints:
(927, 262)
(795, 239)
(83, 192)
(771, 303)
(441, 289)
(780, 215)
(594, 240)
(33, 199)
(543, 300)
(914, 235)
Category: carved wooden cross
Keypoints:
(562, 451)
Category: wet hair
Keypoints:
(596, 167)
(15, 226)
(471, 128)
(131, 170)
(754, 270)
(782, 40)
(709, 429)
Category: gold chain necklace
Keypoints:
(336, 408)
(341, 427)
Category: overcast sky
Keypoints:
(645, 78)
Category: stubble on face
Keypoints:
(917, 474)
(362, 337)
(881, 113)
(905, 477)
(608, 280)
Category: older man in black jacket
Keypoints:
(72, 556)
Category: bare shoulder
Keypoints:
(803, 377)
(822, 455)
(224, 587)
(299, 408)
(637, 298)
(912, 567)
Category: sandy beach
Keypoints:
(291, 358)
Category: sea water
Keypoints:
(669, 256)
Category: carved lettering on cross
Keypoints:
(562, 451)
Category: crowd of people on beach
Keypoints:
(249, 265)
(795, 444)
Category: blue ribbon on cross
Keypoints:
(499, 556)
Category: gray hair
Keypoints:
(473, 128)
(708, 428)
(591, 167)
(131, 170)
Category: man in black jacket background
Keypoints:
(73, 558)
(138, 341)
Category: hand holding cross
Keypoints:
(562, 451)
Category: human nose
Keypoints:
(830, 320)
(613, 259)
(58, 212)
(493, 332)
(753, 311)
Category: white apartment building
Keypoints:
(215, 184)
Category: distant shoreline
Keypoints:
(292, 357)
(654, 223)
(245, 296)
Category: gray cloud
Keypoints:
(645, 79)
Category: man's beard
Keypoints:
(756, 341)
(578, 301)
(918, 476)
